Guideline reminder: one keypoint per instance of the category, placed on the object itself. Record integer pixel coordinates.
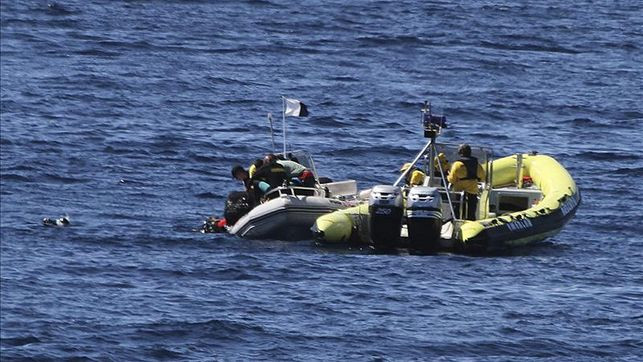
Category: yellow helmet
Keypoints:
(442, 159)
(405, 167)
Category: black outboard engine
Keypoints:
(237, 205)
(385, 208)
(424, 218)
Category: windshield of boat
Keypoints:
(304, 158)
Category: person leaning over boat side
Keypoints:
(264, 178)
(295, 172)
(271, 174)
(414, 177)
(464, 176)
(255, 165)
(239, 173)
(255, 188)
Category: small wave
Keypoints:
(352, 152)
(608, 156)
(135, 45)
(97, 53)
(117, 151)
(227, 81)
(583, 122)
(15, 178)
(19, 341)
(633, 115)
(240, 102)
(495, 136)
(232, 130)
(161, 353)
(208, 195)
(326, 122)
(203, 171)
(345, 78)
(637, 171)
(117, 216)
(50, 177)
(203, 159)
(118, 285)
(212, 329)
(259, 2)
(401, 40)
(529, 47)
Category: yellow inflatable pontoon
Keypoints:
(524, 198)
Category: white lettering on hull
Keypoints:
(519, 225)
(570, 204)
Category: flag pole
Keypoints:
(283, 99)
(272, 133)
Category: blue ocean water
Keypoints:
(127, 116)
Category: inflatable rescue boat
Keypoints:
(286, 212)
(524, 198)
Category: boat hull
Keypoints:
(287, 217)
(520, 232)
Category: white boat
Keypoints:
(290, 211)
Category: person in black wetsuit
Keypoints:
(264, 178)
(297, 173)
(271, 173)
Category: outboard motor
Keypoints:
(237, 205)
(424, 218)
(385, 208)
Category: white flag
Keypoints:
(295, 108)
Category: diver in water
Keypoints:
(214, 224)
(61, 221)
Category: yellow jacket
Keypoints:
(413, 178)
(459, 172)
(251, 170)
(444, 163)
(417, 178)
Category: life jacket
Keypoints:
(471, 164)
(273, 173)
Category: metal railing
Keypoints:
(294, 191)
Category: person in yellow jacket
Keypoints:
(464, 175)
(414, 177)
(441, 161)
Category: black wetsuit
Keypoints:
(470, 202)
(273, 174)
